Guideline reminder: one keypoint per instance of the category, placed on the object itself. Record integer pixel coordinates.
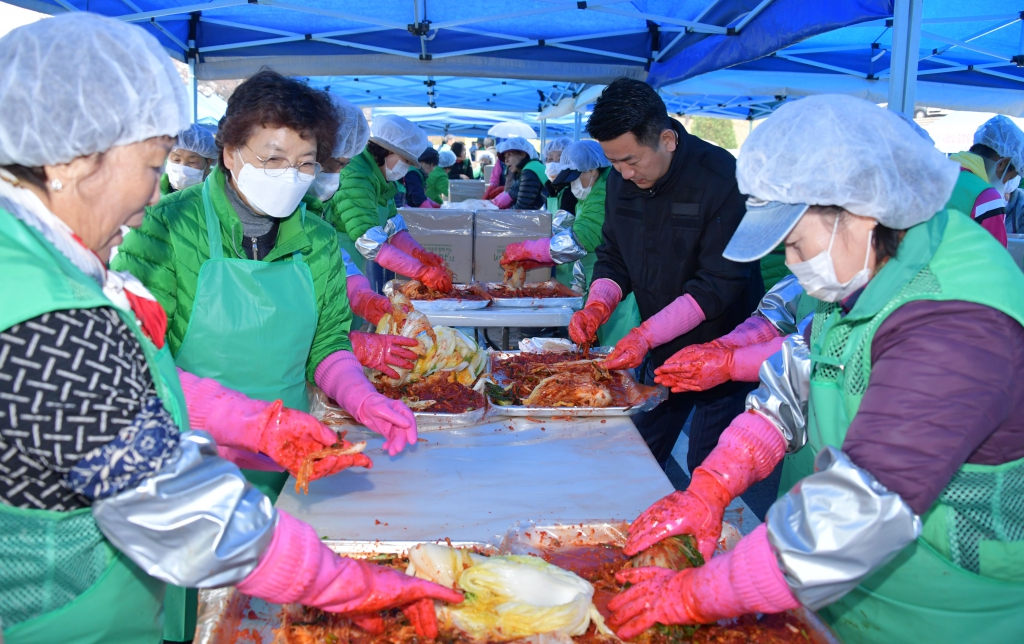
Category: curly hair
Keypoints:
(269, 99)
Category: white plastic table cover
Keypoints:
(493, 317)
(473, 484)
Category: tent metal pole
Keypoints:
(543, 136)
(577, 127)
(193, 57)
(906, 41)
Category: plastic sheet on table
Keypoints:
(469, 204)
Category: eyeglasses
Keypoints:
(277, 166)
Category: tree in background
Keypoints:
(717, 131)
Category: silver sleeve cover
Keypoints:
(350, 266)
(835, 528)
(579, 277)
(371, 242)
(394, 225)
(779, 305)
(562, 220)
(785, 388)
(566, 248)
(197, 523)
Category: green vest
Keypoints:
(963, 579)
(968, 188)
(773, 267)
(60, 579)
(165, 185)
(537, 168)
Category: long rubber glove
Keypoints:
(747, 452)
(503, 201)
(254, 427)
(708, 366)
(341, 377)
(298, 567)
(605, 295)
(434, 277)
(366, 304)
(378, 351)
(406, 243)
(744, 580)
(679, 317)
(532, 253)
(753, 330)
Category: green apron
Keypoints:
(927, 593)
(60, 579)
(251, 327)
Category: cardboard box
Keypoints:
(463, 189)
(496, 229)
(449, 233)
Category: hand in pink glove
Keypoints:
(747, 452)
(679, 317)
(434, 277)
(753, 330)
(532, 253)
(341, 377)
(700, 367)
(377, 351)
(285, 435)
(604, 297)
(744, 580)
(365, 303)
(503, 200)
(297, 567)
(406, 243)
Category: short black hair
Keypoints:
(458, 148)
(629, 105)
(983, 150)
(430, 156)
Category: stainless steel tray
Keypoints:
(227, 616)
(575, 303)
(441, 306)
(568, 412)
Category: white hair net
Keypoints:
(80, 83)
(836, 150)
(584, 156)
(561, 143)
(354, 131)
(400, 135)
(517, 143)
(1002, 135)
(447, 159)
(921, 132)
(199, 140)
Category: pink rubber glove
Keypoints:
(604, 296)
(503, 201)
(298, 568)
(700, 367)
(745, 580)
(747, 452)
(435, 277)
(405, 242)
(365, 303)
(753, 330)
(238, 422)
(532, 253)
(429, 203)
(377, 351)
(679, 317)
(341, 377)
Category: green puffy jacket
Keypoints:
(170, 247)
(773, 267)
(437, 184)
(165, 185)
(363, 188)
(590, 214)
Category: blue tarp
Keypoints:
(473, 123)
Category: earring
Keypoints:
(56, 185)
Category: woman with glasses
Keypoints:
(250, 281)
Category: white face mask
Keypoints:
(325, 185)
(996, 182)
(553, 169)
(1012, 184)
(577, 189)
(818, 274)
(396, 173)
(182, 176)
(276, 197)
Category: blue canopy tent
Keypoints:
(585, 41)
(968, 57)
(472, 123)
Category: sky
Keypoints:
(12, 17)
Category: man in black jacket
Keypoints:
(672, 205)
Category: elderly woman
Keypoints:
(524, 176)
(190, 161)
(249, 279)
(900, 407)
(113, 496)
(366, 218)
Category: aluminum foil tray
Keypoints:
(569, 412)
(441, 306)
(331, 414)
(574, 303)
